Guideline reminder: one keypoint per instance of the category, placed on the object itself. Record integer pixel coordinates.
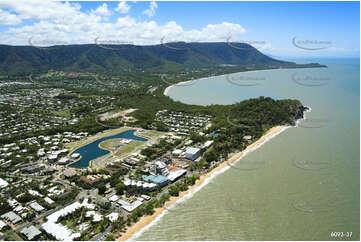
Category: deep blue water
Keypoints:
(92, 151)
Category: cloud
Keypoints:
(7, 18)
(102, 10)
(59, 23)
(41, 9)
(123, 7)
(151, 10)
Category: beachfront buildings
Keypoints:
(192, 153)
(161, 181)
(176, 174)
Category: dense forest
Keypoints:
(130, 58)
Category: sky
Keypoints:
(279, 29)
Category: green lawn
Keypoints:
(128, 148)
(63, 113)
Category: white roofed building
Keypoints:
(207, 144)
(11, 217)
(113, 217)
(177, 152)
(59, 231)
(3, 183)
(2, 225)
(31, 232)
(174, 175)
(192, 153)
(36, 206)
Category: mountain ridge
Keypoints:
(170, 57)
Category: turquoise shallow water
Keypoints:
(306, 181)
(92, 151)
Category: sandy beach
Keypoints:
(166, 90)
(177, 84)
(146, 220)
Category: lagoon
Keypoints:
(92, 151)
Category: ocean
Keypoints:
(303, 184)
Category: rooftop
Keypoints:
(192, 150)
(155, 179)
(3, 183)
(31, 232)
(12, 217)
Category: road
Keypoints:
(103, 235)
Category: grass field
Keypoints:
(63, 113)
(128, 148)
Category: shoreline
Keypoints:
(145, 222)
(166, 90)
